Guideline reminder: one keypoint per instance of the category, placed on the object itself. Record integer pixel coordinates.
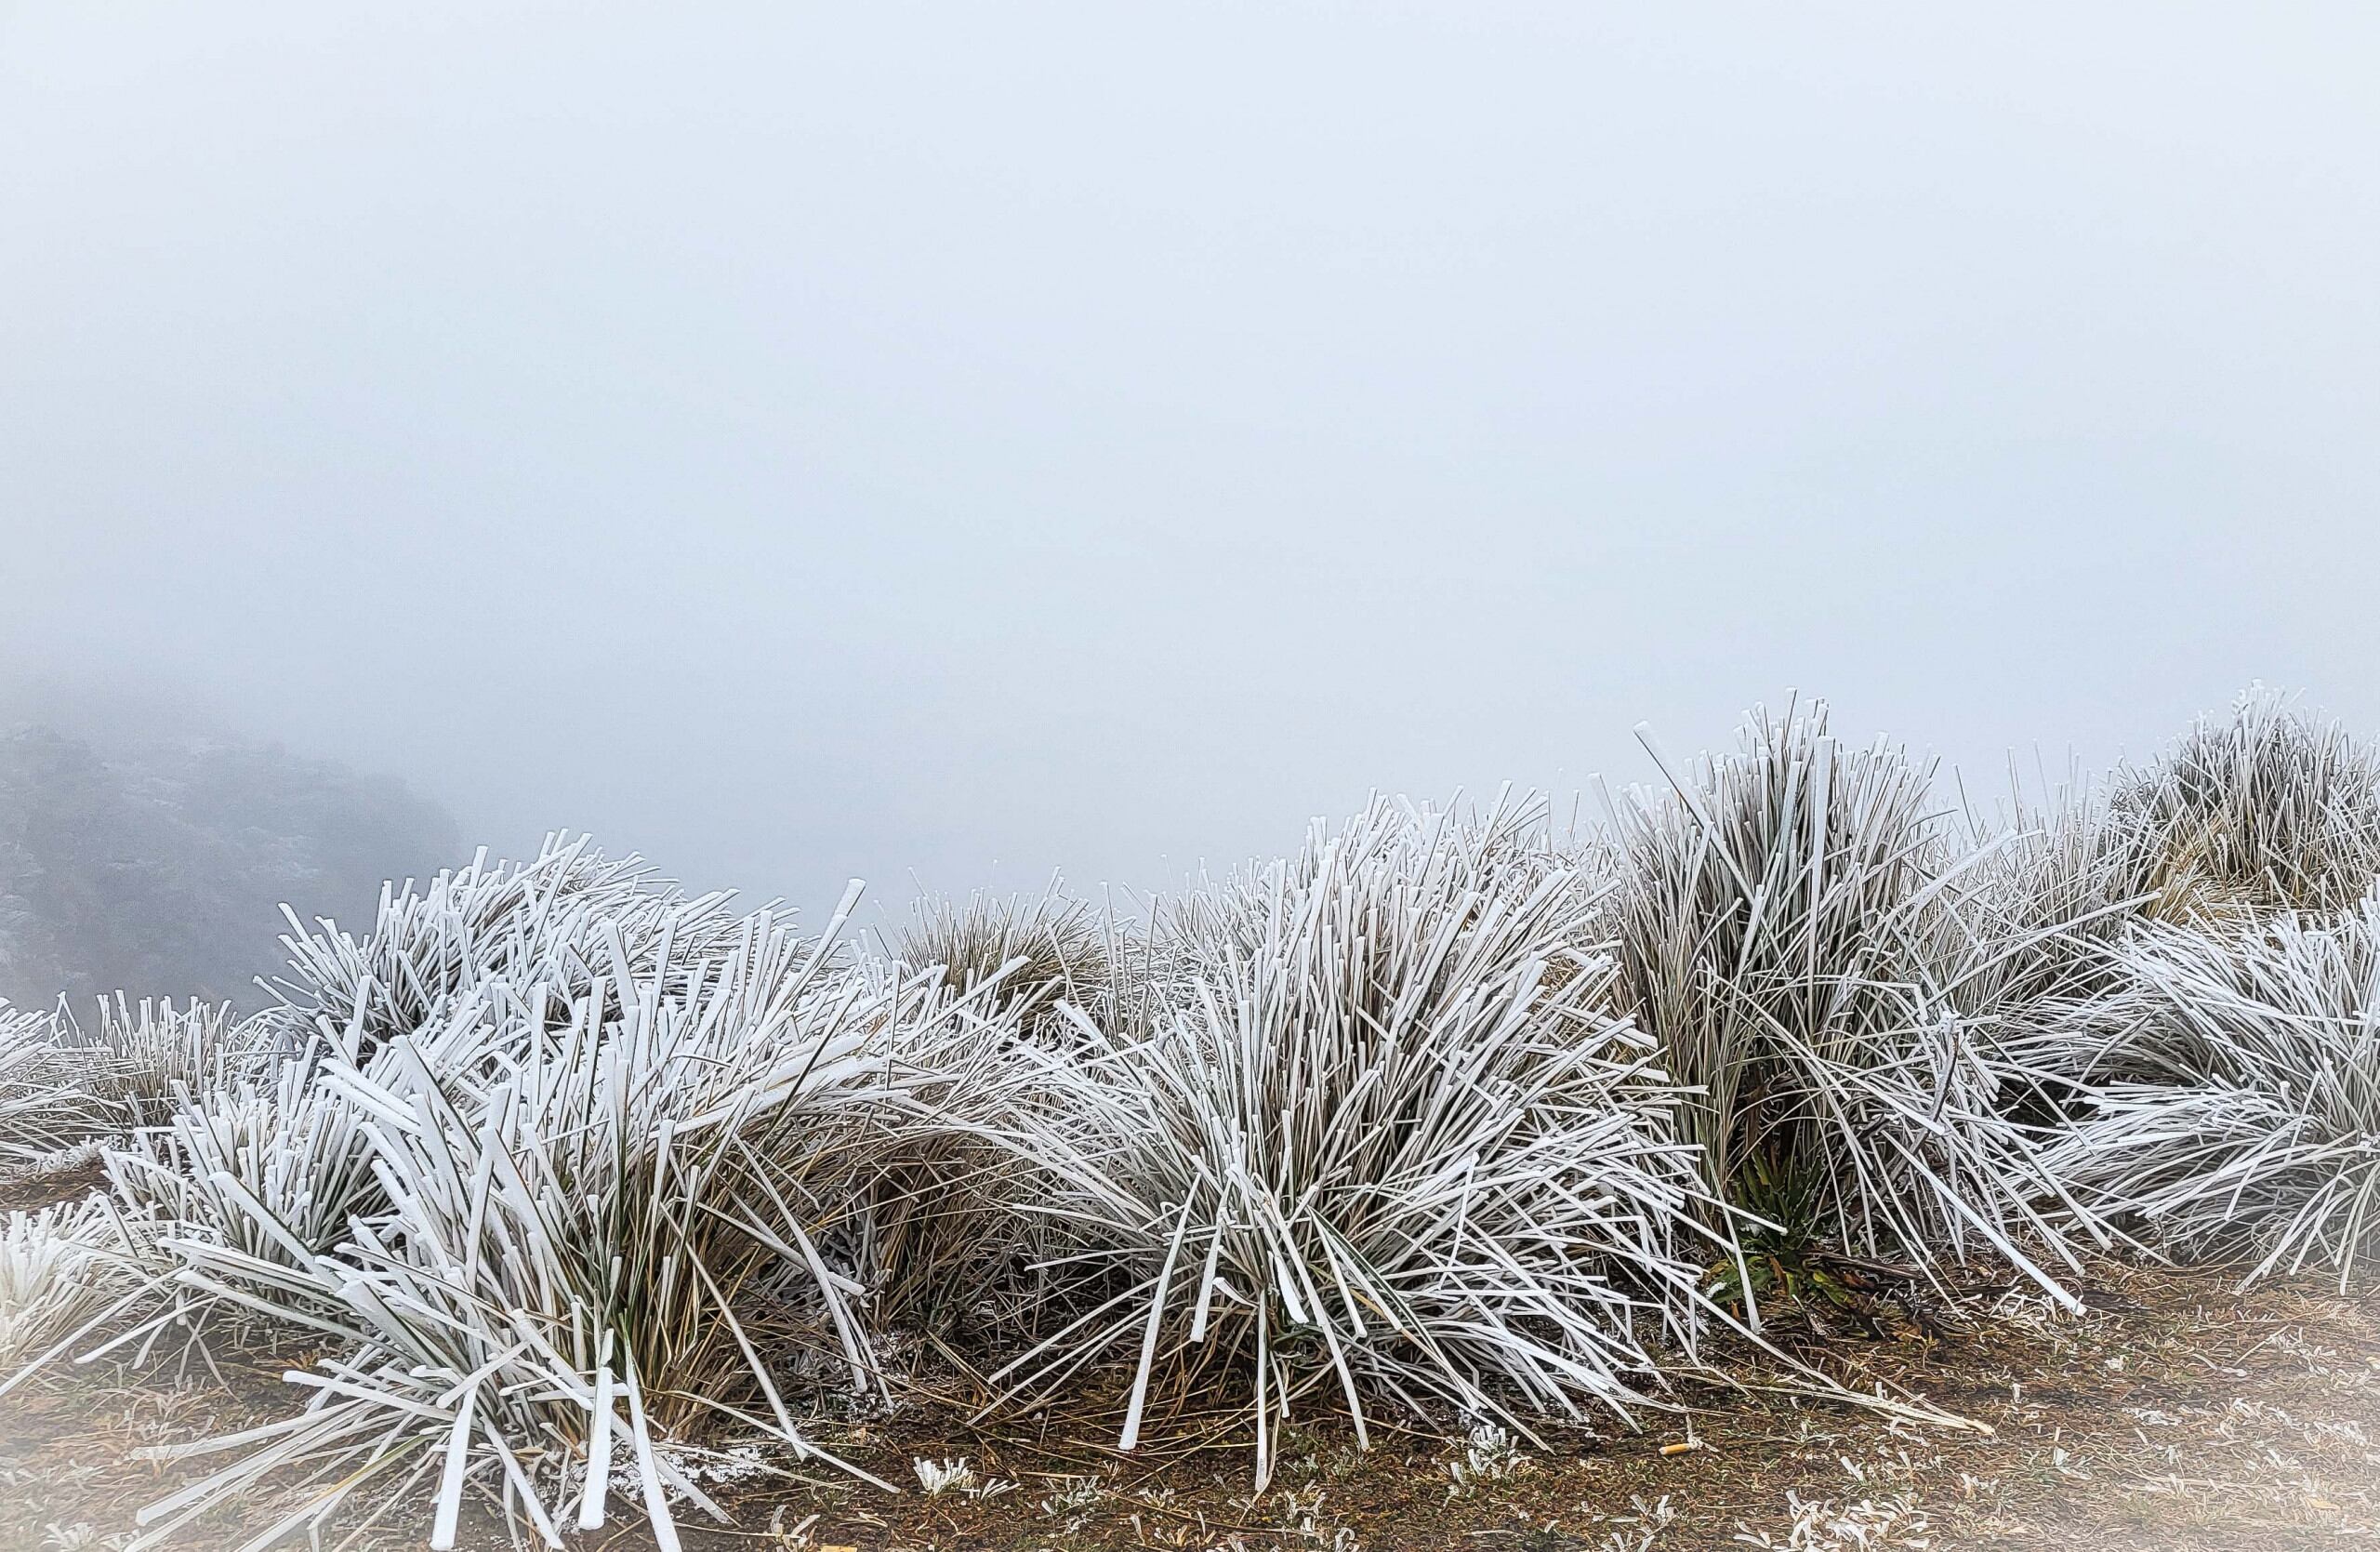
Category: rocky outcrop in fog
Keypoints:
(158, 867)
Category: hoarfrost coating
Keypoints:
(572, 1180)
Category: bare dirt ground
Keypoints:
(2174, 1414)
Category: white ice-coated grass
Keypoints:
(553, 921)
(2237, 1093)
(155, 1052)
(59, 1267)
(1380, 1139)
(1805, 945)
(2039, 914)
(243, 1185)
(63, 1084)
(567, 1172)
(2268, 808)
(46, 1101)
(1042, 951)
(938, 1476)
(600, 1216)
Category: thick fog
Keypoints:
(949, 445)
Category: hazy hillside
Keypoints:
(157, 868)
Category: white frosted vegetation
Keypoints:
(1803, 942)
(1380, 1138)
(2236, 1084)
(557, 921)
(1041, 953)
(582, 1225)
(59, 1268)
(2266, 808)
(576, 1181)
(62, 1084)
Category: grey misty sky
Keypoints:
(963, 441)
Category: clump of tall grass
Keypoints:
(1806, 945)
(2266, 809)
(576, 1228)
(62, 1084)
(59, 1267)
(2226, 1068)
(152, 1052)
(1377, 1139)
(559, 919)
(243, 1187)
(2236, 1093)
(1041, 952)
(46, 1101)
(2043, 911)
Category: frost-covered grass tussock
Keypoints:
(575, 1187)
(2266, 808)
(1034, 955)
(2237, 1093)
(59, 1268)
(62, 1085)
(1381, 1138)
(1796, 931)
(550, 1229)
